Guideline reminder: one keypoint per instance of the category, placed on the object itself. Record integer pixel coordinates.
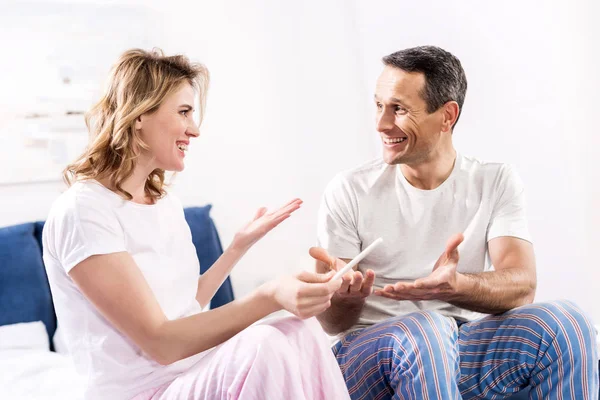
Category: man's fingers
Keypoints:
(428, 282)
(413, 294)
(388, 288)
(403, 286)
(320, 254)
(453, 242)
(388, 295)
(357, 285)
(346, 282)
(367, 286)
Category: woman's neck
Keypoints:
(135, 184)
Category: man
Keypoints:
(412, 324)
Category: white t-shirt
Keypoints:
(481, 200)
(90, 219)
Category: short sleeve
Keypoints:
(81, 229)
(508, 215)
(337, 221)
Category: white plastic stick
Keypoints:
(356, 259)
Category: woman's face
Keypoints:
(168, 130)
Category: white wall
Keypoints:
(285, 114)
(532, 101)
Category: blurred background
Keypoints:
(290, 105)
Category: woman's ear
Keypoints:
(138, 123)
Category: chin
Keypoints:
(172, 167)
(392, 159)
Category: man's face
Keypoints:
(409, 133)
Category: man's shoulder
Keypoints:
(376, 167)
(476, 168)
(363, 173)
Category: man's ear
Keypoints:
(451, 111)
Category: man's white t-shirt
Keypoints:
(89, 219)
(481, 200)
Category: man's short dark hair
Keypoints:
(445, 78)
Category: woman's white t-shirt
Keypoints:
(89, 219)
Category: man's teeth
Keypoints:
(394, 140)
(182, 146)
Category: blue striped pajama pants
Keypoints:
(547, 348)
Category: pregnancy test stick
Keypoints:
(356, 259)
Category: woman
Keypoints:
(124, 272)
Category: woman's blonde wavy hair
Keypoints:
(138, 84)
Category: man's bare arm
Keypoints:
(347, 303)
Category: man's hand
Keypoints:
(441, 284)
(354, 284)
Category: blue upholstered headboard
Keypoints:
(208, 247)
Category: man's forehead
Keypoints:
(394, 82)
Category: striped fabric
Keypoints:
(548, 349)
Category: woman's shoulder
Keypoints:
(80, 196)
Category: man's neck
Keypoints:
(431, 173)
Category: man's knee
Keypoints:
(422, 330)
(561, 319)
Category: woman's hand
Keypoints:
(262, 223)
(304, 295)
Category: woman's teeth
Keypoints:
(182, 147)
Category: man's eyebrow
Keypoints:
(393, 100)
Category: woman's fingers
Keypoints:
(261, 211)
(313, 301)
(314, 277)
(287, 209)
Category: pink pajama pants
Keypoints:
(286, 358)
